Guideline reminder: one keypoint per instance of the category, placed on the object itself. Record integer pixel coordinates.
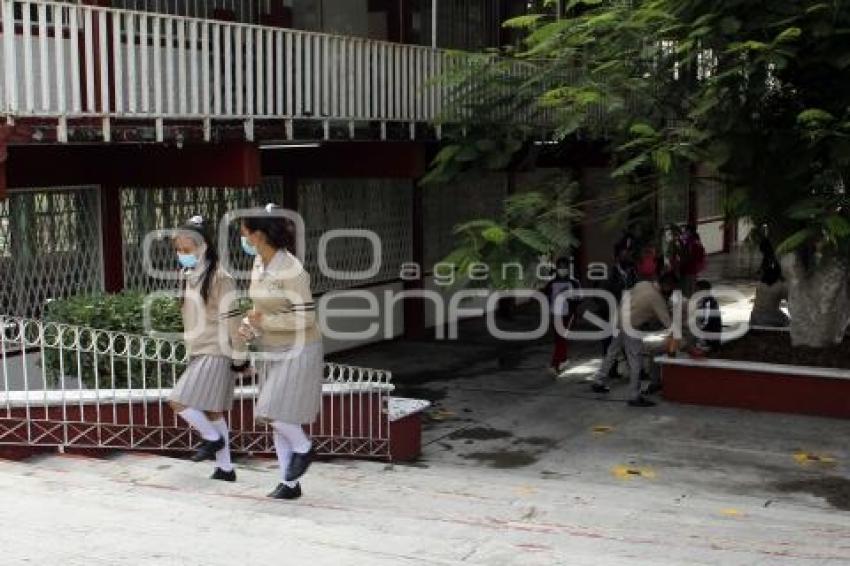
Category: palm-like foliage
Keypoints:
(532, 225)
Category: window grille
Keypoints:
(49, 247)
(446, 206)
(380, 205)
(145, 209)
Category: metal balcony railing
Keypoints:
(66, 61)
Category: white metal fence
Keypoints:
(74, 61)
(73, 386)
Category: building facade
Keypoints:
(130, 116)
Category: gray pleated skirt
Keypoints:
(291, 388)
(206, 385)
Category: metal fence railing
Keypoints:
(72, 386)
(68, 61)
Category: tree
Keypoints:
(759, 90)
(503, 253)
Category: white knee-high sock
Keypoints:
(222, 457)
(284, 454)
(199, 421)
(294, 434)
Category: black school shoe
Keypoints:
(298, 465)
(208, 449)
(600, 388)
(221, 475)
(641, 402)
(655, 387)
(283, 491)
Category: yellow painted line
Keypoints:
(813, 458)
(600, 430)
(730, 512)
(632, 472)
(441, 415)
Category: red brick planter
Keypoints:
(757, 386)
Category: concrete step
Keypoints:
(372, 513)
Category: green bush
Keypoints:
(120, 313)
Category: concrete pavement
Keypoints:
(518, 469)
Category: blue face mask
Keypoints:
(247, 247)
(189, 261)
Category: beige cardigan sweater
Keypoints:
(205, 332)
(281, 292)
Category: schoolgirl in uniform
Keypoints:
(205, 390)
(282, 324)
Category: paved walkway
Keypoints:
(518, 469)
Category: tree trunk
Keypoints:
(818, 300)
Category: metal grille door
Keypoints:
(49, 247)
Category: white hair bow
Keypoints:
(197, 220)
(270, 206)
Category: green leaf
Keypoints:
(643, 130)
(794, 241)
(447, 153)
(838, 226)
(814, 117)
(575, 3)
(522, 22)
(532, 239)
(663, 160)
(629, 166)
(750, 45)
(467, 153)
(495, 234)
(788, 35)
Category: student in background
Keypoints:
(646, 308)
(621, 277)
(770, 293)
(692, 259)
(563, 310)
(647, 265)
(708, 318)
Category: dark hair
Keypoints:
(199, 229)
(703, 285)
(279, 231)
(563, 261)
(669, 279)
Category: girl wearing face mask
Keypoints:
(283, 327)
(205, 390)
(563, 285)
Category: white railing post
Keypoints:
(10, 57)
(43, 53)
(29, 91)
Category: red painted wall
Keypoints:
(757, 391)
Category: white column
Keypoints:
(434, 23)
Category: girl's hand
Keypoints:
(255, 318)
(246, 332)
